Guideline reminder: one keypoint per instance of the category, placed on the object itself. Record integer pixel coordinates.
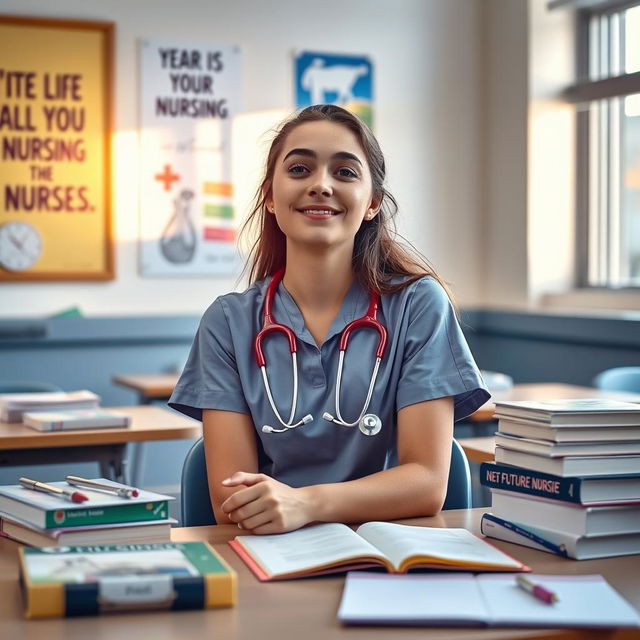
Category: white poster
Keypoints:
(189, 94)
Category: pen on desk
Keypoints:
(73, 496)
(536, 590)
(120, 490)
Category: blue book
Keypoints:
(561, 543)
(585, 490)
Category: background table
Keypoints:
(21, 445)
(149, 386)
(298, 608)
(479, 449)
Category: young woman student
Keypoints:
(328, 389)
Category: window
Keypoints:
(608, 102)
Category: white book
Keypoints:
(567, 545)
(486, 599)
(14, 405)
(579, 412)
(543, 431)
(561, 449)
(570, 465)
(129, 532)
(48, 511)
(75, 419)
(565, 516)
(335, 547)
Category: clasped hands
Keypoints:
(264, 505)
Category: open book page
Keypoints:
(307, 549)
(439, 599)
(405, 546)
(443, 599)
(583, 601)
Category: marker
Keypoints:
(120, 489)
(536, 590)
(73, 496)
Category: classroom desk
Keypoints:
(21, 445)
(148, 386)
(479, 449)
(546, 391)
(298, 608)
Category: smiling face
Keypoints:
(321, 190)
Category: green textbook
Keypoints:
(89, 580)
(48, 511)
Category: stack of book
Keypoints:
(103, 517)
(59, 411)
(567, 477)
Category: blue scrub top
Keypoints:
(426, 357)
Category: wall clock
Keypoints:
(20, 246)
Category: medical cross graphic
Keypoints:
(167, 177)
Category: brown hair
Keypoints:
(378, 257)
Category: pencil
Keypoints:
(119, 489)
(34, 485)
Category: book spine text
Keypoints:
(534, 483)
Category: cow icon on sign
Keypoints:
(319, 80)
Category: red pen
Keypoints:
(537, 590)
(73, 496)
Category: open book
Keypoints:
(463, 599)
(334, 547)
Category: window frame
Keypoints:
(587, 91)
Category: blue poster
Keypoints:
(338, 79)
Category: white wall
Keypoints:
(505, 153)
(429, 116)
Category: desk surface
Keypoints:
(547, 391)
(147, 423)
(297, 608)
(148, 385)
(479, 449)
(157, 386)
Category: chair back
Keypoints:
(196, 507)
(195, 502)
(459, 485)
(619, 379)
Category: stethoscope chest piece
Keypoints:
(370, 424)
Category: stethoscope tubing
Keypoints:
(270, 326)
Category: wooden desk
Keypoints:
(546, 391)
(149, 387)
(479, 449)
(298, 608)
(22, 445)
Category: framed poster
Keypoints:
(334, 78)
(55, 124)
(189, 94)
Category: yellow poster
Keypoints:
(54, 150)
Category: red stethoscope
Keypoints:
(368, 423)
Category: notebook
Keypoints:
(466, 599)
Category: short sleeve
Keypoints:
(437, 361)
(210, 377)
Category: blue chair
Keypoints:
(18, 386)
(196, 503)
(619, 379)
